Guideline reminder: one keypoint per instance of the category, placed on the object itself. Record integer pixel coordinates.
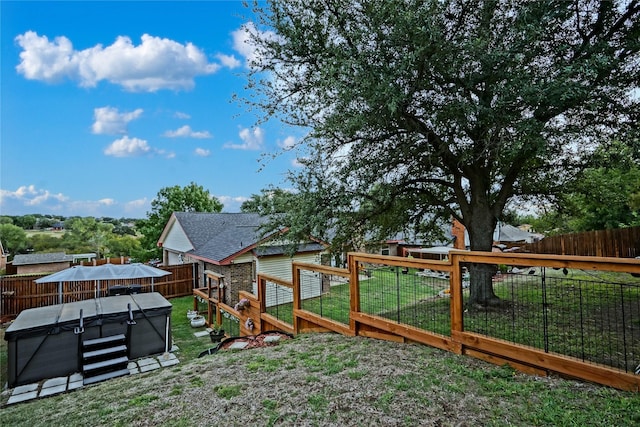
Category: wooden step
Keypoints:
(105, 376)
(103, 340)
(105, 364)
(104, 352)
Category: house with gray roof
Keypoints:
(231, 244)
(41, 263)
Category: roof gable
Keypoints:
(218, 236)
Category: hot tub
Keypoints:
(46, 342)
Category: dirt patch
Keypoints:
(255, 341)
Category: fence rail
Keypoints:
(19, 293)
(575, 316)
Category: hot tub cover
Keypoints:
(51, 319)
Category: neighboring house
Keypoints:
(88, 257)
(230, 244)
(41, 263)
(402, 244)
(510, 234)
(505, 237)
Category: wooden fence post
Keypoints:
(354, 291)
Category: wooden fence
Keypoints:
(19, 293)
(617, 243)
(561, 314)
(102, 261)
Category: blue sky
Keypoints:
(105, 103)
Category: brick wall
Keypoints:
(237, 277)
(42, 268)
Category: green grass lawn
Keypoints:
(594, 316)
(183, 334)
(329, 372)
(579, 298)
(383, 292)
(329, 380)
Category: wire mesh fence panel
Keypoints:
(325, 295)
(593, 316)
(201, 305)
(415, 297)
(279, 302)
(230, 324)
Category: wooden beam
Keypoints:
(409, 332)
(554, 362)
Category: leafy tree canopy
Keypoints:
(269, 201)
(191, 198)
(14, 238)
(605, 195)
(456, 108)
(123, 246)
(87, 235)
(27, 222)
(45, 243)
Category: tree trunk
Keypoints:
(481, 293)
(481, 227)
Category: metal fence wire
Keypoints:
(415, 297)
(325, 295)
(592, 316)
(279, 301)
(230, 324)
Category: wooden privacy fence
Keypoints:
(102, 261)
(618, 243)
(575, 316)
(19, 293)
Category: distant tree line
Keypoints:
(103, 236)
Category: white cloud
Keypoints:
(229, 61)
(251, 140)
(244, 46)
(186, 132)
(127, 147)
(137, 206)
(232, 203)
(109, 121)
(28, 199)
(202, 152)
(164, 153)
(181, 115)
(107, 202)
(29, 195)
(155, 64)
(288, 143)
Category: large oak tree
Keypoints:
(446, 108)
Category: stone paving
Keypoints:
(53, 386)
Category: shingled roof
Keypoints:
(220, 236)
(49, 258)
